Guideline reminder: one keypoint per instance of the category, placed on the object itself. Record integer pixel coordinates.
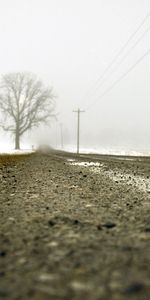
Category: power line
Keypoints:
(124, 57)
(126, 44)
(100, 78)
(121, 77)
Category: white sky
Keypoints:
(68, 44)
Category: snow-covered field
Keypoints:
(19, 152)
(4, 148)
(109, 151)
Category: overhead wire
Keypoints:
(120, 78)
(124, 57)
(102, 76)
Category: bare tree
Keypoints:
(25, 103)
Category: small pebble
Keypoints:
(51, 223)
(3, 253)
(76, 222)
(109, 225)
(99, 227)
(147, 229)
(134, 288)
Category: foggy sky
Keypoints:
(69, 44)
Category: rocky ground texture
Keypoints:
(74, 227)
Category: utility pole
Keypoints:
(78, 128)
(61, 135)
(56, 138)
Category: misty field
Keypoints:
(74, 227)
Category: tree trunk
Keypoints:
(17, 140)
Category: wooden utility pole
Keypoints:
(61, 135)
(78, 128)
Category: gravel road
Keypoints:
(74, 227)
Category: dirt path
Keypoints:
(74, 231)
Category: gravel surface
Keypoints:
(74, 227)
